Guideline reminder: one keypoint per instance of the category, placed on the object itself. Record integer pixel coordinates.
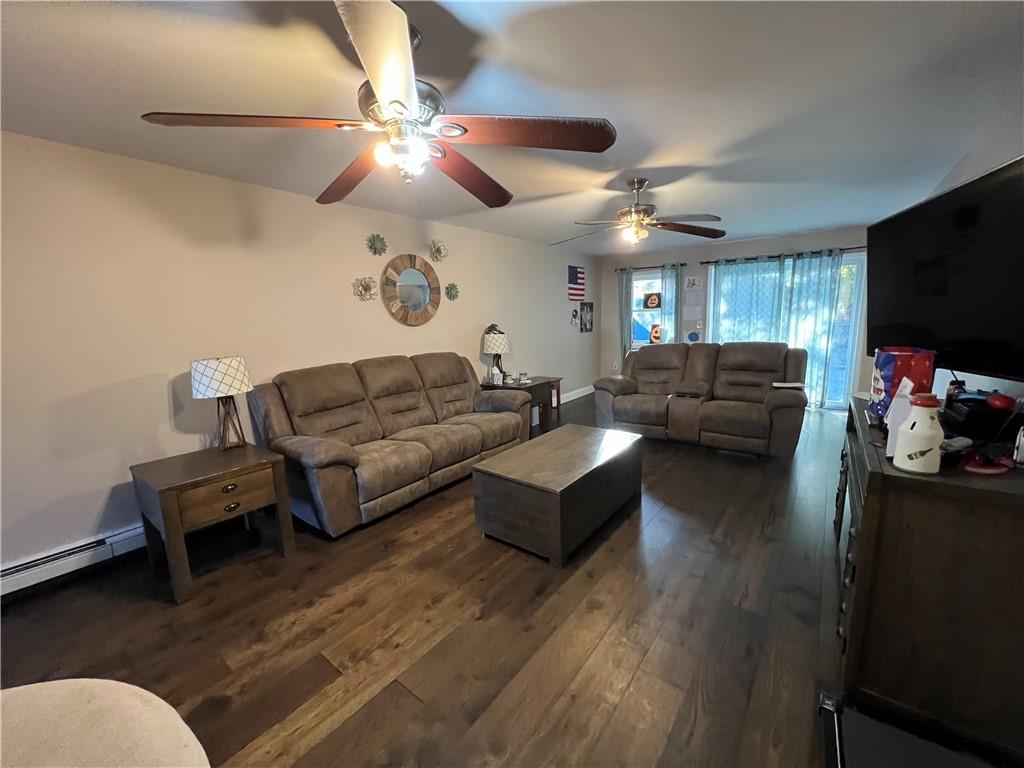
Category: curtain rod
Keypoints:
(657, 266)
(738, 258)
(775, 256)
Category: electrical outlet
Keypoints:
(615, 366)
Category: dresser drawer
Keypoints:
(223, 499)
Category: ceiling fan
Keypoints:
(634, 220)
(411, 115)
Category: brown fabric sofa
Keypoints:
(363, 439)
(715, 395)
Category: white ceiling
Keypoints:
(779, 117)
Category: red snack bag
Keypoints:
(892, 365)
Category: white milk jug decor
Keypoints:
(919, 438)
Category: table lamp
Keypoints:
(495, 343)
(223, 378)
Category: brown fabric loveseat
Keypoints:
(715, 395)
(363, 439)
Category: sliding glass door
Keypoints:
(845, 344)
(810, 300)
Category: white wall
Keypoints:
(692, 255)
(118, 272)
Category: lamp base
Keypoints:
(231, 434)
(497, 363)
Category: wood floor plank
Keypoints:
(637, 732)
(518, 710)
(369, 659)
(578, 716)
(224, 724)
(779, 726)
(708, 726)
(393, 728)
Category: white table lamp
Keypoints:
(223, 378)
(496, 344)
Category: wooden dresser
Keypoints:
(931, 595)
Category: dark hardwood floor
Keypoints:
(691, 630)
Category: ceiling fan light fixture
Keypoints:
(405, 148)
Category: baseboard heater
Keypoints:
(53, 564)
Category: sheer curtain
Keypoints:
(672, 321)
(789, 298)
(625, 311)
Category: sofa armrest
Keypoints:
(785, 398)
(316, 452)
(699, 389)
(500, 400)
(616, 385)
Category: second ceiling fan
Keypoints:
(635, 219)
(410, 113)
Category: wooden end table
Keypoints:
(539, 389)
(184, 493)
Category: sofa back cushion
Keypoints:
(658, 368)
(329, 401)
(746, 370)
(395, 391)
(449, 382)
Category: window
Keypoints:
(645, 283)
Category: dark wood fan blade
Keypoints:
(688, 229)
(581, 134)
(690, 217)
(255, 121)
(469, 176)
(349, 179)
(588, 234)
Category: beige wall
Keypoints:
(117, 272)
(692, 255)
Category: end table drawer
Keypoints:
(225, 499)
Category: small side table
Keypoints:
(184, 493)
(539, 389)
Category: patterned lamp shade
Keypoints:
(495, 344)
(219, 377)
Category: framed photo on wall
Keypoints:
(586, 317)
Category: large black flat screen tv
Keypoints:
(948, 275)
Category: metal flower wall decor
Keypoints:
(452, 291)
(376, 244)
(438, 250)
(365, 288)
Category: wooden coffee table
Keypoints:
(551, 493)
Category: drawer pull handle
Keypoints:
(849, 557)
(841, 631)
(853, 532)
(848, 581)
(232, 506)
(229, 488)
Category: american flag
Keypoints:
(577, 284)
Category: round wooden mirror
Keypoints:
(410, 289)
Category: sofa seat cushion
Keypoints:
(733, 417)
(641, 409)
(448, 443)
(495, 428)
(387, 465)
